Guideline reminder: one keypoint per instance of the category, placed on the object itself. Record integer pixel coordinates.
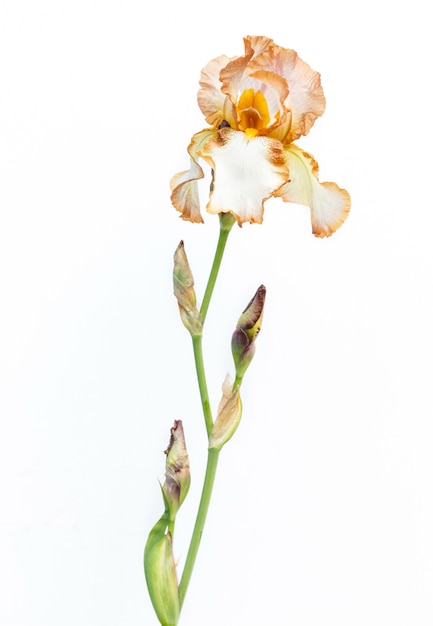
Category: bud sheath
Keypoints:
(228, 417)
(183, 287)
(160, 572)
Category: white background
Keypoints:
(322, 511)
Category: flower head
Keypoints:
(257, 105)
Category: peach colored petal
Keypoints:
(257, 43)
(211, 100)
(275, 90)
(222, 76)
(272, 84)
(232, 74)
(236, 77)
(305, 99)
(231, 77)
(329, 204)
(183, 185)
(247, 171)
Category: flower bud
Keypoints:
(228, 417)
(183, 283)
(177, 474)
(160, 572)
(247, 329)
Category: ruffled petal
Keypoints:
(329, 204)
(232, 75)
(273, 87)
(236, 77)
(305, 99)
(211, 100)
(257, 43)
(247, 171)
(184, 189)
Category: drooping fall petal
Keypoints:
(329, 204)
(248, 170)
(184, 191)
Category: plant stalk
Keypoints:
(209, 479)
(226, 222)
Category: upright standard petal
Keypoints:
(211, 100)
(247, 170)
(305, 98)
(257, 43)
(184, 191)
(329, 205)
(232, 74)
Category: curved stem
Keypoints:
(209, 479)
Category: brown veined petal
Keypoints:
(306, 99)
(329, 204)
(211, 100)
(248, 170)
(184, 190)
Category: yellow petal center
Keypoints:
(253, 111)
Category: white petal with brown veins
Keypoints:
(248, 170)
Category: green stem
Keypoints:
(209, 479)
(201, 379)
(226, 222)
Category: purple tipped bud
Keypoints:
(247, 329)
(177, 474)
(183, 286)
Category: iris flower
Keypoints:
(257, 105)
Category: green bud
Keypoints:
(247, 329)
(177, 474)
(160, 572)
(183, 284)
(228, 417)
